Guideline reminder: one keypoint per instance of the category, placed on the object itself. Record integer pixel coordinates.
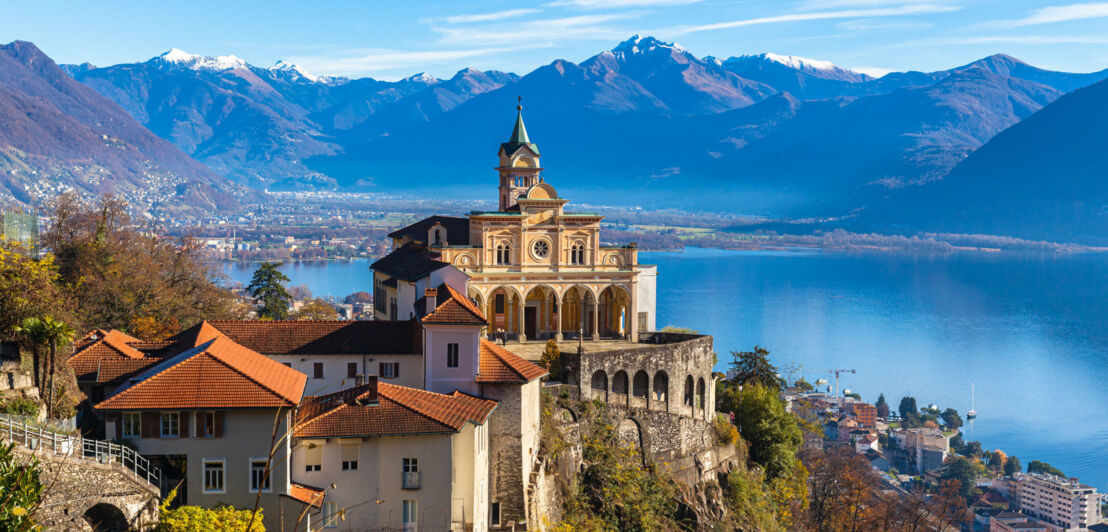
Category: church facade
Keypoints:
(536, 269)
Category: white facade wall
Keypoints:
(452, 490)
(246, 436)
(646, 295)
(1066, 505)
(437, 375)
(335, 370)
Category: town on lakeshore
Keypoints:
(505, 371)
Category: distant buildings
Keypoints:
(1065, 504)
(21, 227)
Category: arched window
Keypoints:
(438, 237)
(700, 394)
(503, 253)
(577, 254)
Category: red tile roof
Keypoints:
(398, 410)
(500, 365)
(115, 371)
(110, 345)
(306, 494)
(454, 308)
(217, 374)
(312, 337)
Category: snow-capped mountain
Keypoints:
(802, 77)
(178, 58)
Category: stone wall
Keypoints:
(80, 493)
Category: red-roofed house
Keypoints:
(206, 415)
(421, 458)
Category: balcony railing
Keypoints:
(411, 480)
(79, 448)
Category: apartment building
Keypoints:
(1064, 504)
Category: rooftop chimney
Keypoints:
(432, 295)
(369, 396)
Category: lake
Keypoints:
(1029, 330)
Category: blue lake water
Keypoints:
(1029, 330)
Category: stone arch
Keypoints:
(503, 313)
(630, 432)
(106, 517)
(619, 383)
(615, 311)
(543, 299)
(689, 397)
(640, 386)
(661, 388)
(575, 310)
(503, 253)
(600, 384)
(700, 394)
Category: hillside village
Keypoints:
(502, 344)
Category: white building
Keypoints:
(1064, 504)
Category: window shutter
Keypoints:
(218, 424)
(396, 369)
(119, 426)
(149, 425)
(185, 424)
(201, 425)
(351, 369)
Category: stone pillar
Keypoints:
(595, 318)
(521, 320)
(558, 319)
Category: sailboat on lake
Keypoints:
(973, 407)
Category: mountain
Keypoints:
(61, 135)
(256, 125)
(799, 76)
(646, 122)
(1041, 179)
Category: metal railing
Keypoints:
(78, 447)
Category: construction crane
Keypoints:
(836, 372)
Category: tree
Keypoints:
(51, 334)
(552, 359)
(996, 459)
(1012, 466)
(803, 385)
(973, 450)
(907, 406)
(753, 367)
(316, 309)
(1042, 467)
(957, 444)
(966, 473)
(882, 407)
(951, 419)
(358, 297)
(774, 434)
(267, 287)
(115, 273)
(841, 483)
(20, 491)
(29, 288)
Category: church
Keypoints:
(537, 270)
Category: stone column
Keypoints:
(632, 317)
(595, 318)
(558, 319)
(521, 320)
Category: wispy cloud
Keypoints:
(557, 29)
(1008, 39)
(813, 5)
(876, 25)
(1053, 14)
(372, 61)
(614, 4)
(488, 17)
(915, 9)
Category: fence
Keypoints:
(103, 452)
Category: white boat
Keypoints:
(973, 407)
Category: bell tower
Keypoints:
(519, 164)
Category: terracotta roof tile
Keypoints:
(398, 410)
(217, 374)
(108, 345)
(500, 365)
(311, 337)
(115, 371)
(454, 308)
(306, 494)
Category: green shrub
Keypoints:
(728, 433)
(20, 406)
(197, 519)
(20, 491)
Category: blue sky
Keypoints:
(390, 39)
